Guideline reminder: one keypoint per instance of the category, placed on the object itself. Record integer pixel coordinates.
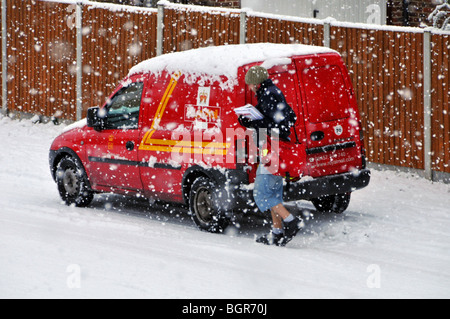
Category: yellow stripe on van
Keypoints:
(188, 143)
(193, 147)
(165, 100)
(186, 150)
(161, 108)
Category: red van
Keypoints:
(169, 132)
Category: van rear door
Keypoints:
(331, 115)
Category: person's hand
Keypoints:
(244, 121)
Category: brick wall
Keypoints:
(410, 12)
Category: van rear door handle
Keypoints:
(317, 136)
(130, 145)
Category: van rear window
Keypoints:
(326, 94)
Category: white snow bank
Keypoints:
(223, 60)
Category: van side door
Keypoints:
(161, 176)
(113, 152)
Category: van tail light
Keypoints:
(363, 157)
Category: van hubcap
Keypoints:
(70, 182)
(204, 207)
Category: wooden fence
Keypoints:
(41, 51)
(440, 89)
(386, 65)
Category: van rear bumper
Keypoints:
(329, 185)
(311, 189)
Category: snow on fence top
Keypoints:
(198, 8)
(250, 13)
(107, 6)
(213, 62)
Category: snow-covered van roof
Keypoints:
(211, 63)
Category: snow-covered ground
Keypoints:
(393, 242)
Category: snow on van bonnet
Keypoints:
(213, 62)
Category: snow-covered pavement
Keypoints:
(393, 242)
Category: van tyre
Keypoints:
(73, 185)
(205, 210)
(336, 204)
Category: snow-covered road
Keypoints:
(393, 242)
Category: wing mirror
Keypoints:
(96, 118)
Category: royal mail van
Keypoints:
(169, 132)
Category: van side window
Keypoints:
(123, 109)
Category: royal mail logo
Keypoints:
(203, 96)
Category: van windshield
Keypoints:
(326, 94)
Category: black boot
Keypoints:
(290, 230)
(271, 239)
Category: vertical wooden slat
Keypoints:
(388, 107)
(378, 116)
(408, 96)
(445, 167)
(398, 99)
(440, 102)
(366, 109)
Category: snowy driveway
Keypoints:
(393, 242)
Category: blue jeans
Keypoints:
(268, 191)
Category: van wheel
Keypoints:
(73, 185)
(204, 208)
(332, 203)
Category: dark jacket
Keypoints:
(277, 112)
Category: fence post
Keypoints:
(160, 29)
(243, 27)
(4, 108)
(427, 103)
(326, 34)
(79, 84)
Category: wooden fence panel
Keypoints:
(440, 95)
(191, 29)
(41, 54)
(386, 69)
(273, 30)
(113, 42)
